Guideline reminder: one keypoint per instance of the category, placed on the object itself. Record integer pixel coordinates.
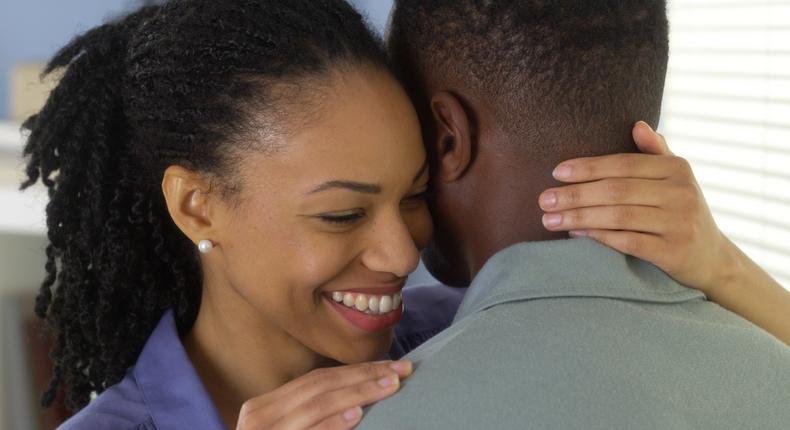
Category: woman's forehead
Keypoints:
(367, 132)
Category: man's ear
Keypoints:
(187, 197)
(452, 145)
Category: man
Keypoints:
(556, 334)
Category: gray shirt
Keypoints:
(573, 335)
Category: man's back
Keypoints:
(570, 335)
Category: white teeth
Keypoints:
(373, 305)
(369, 304)
(362, 303)
(396, 301)
(385, 304)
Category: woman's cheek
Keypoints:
(322, 259)
(420, 225)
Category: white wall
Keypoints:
(727, 110)
(22, 245)
(377, 11)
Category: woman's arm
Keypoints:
(650, 206)
(746, 289)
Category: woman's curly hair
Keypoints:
(182, 83)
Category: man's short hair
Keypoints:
(551, 69)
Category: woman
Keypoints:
(236, 199)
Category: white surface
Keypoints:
(20, 213)
(727, 110)
(10, 138)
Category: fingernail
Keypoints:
(552, 220)
(578, 233)
(387, 381)
(352, 414)
(563, 171)
(401, 366)
(647, 125)
(548, 200)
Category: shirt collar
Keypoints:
(568, 268)
(173, 392)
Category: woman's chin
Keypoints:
(360, 352)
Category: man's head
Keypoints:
(506, 90)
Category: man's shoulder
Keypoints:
(536, 331)
(120, 407)
(531, 361)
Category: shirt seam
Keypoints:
(425, 332)
(579, 292)
(145, 399)
(450, 333)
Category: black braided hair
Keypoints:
(187, 82)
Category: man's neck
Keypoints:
(509, 180)
(523, 226)
(509, 210)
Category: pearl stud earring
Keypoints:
(205, 246)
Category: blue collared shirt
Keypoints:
(162, 391)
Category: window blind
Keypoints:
(727, 110)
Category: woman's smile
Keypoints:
(369, 309)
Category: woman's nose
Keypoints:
(391, 249)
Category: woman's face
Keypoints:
(330, 225)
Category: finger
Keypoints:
(644, 166)
(328, 404)
(606, 192)
(643, 219)
(646, 247)
(649, 141)
(291, 395)
(343, 421)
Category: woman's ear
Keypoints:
(452, 145)
(187, 198)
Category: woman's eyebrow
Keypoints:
(359, 187)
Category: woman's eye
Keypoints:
(416, 198)
(343, 219)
